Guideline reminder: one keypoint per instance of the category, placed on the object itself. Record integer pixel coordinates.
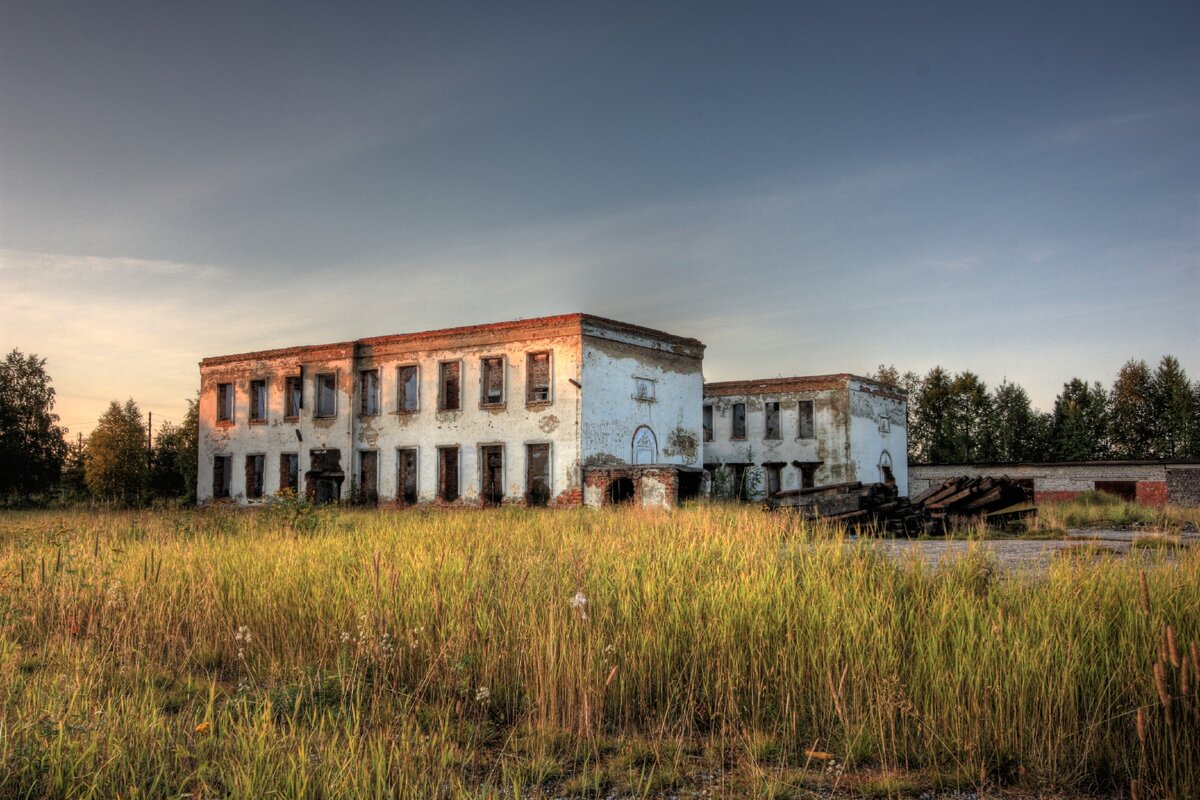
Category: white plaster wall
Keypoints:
(877, 425)
(830, 442)
(514, 425)
(276, 435)
(612, 413)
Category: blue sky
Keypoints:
(1012, 188)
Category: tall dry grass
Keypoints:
(519, 652)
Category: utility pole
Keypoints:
(149, 436)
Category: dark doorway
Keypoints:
(620, 491)
(493, 474)
(808, 473)
(739, 481)
(368, 476)
(323, 483)
(689, 485)
(537, 474)
(1126, 490)
(448, 473)
(774, 478)
(406, 479)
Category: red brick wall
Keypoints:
(571, 497)
(1152, 493)
(1054, 497)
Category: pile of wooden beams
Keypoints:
(878, 506)
(1000, 501)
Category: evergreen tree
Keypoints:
(1080, 424)
(32, 445)
(188, 456)
(930, 436)
(116, 466)
(1174, 401)
(165, 480)
(971, 411)
(72, 485)
(1131, 412)
(1015, 431)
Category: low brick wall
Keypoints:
(1153, 483)
(1183, 484)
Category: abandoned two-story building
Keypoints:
(564, 410)
(551, 411)
(798, 433)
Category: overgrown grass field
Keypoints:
(524, 653)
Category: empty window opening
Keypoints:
(537, 378)
(326, 395)
(741, 488)
(368, 392)
(493, 382)
(293, 397)
(621, 490)
(323, 481)
(492, 488)
(254, 475)
(406, 478)
(708, 423)
(289, 472)
(448, 473)
(774, 478)
(808, 474)
(739, 421)
(806, 419)
(221, 475)
(772, 422)
(258, 401)
(224, 402)
(368, 476)
(537, 474)
(449, 396)
(408, 394)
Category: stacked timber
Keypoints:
(875, 506)
(999, 501)
(878, 506)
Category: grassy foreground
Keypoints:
(302, 653)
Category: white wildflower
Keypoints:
(579, 603)
(482, 694)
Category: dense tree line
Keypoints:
(119, 462)
(1145, 414)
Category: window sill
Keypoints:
(258, 422)
(406, 412)
(292, 419)
(224, 423)
(737, 438)
(538, 403)
(492, 406)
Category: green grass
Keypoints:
(439, 654)
(1100, 510)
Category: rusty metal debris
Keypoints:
(999, 502)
